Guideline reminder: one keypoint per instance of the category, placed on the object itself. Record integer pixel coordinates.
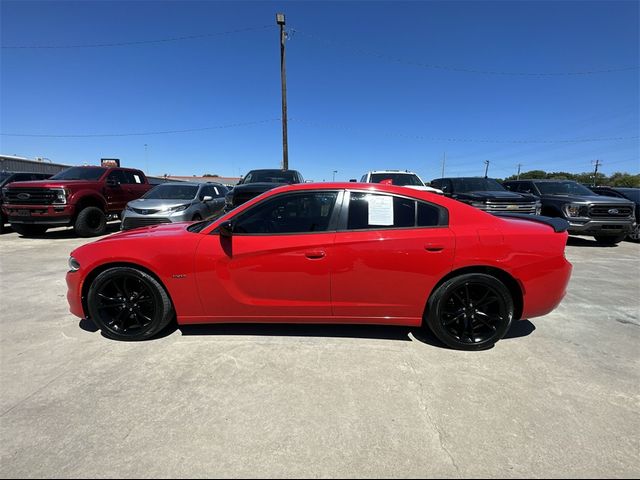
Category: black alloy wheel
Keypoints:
(470, 312)
(128, 304)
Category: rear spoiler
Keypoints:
(558, 224)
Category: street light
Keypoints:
(334, 175)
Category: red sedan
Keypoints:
(328, 253)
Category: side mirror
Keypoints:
(207, 198)
(226, 229)
(112, 182)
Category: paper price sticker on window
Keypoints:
(380, 210)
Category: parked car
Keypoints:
(609, 220)
(398, 177)
(632, 194)
(488, 195)
(256, 182)
(9, 177)
(81, 197)
(174, 202)
(328, 253)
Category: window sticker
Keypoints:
(137, 178)
(380, 210)
(216, 189)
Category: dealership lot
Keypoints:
(559, 396)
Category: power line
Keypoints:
(133, 134)
(141, 42)
(394, 59)
(469, 140)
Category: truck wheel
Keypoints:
(91, 221)
(609, 239)
(29, 230)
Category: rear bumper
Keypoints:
(543, 292)
(600, 227)
(54, 215)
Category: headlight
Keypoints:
(60, 196)
(478, 205)
(576, 210)
(74, 266)
(179, 208)
(128, 208)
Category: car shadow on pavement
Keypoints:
(586, 242)
(66, 233)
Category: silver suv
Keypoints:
(402, 178)
(174, 202)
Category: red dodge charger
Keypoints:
(328, 253)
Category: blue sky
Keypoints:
(364, 91)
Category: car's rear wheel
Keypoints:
(90, 222)
(29, 230)
(128, 304)
(470, 312)
(609, 239)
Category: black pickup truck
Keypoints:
(607, 219)
(487, 194)
(257, 182)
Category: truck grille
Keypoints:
(617, 211)
(526, 207)
(29, 196)
(134, 222)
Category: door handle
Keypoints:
(315, 254)
(433, 247)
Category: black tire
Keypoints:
(609, 239)
(457, 322)
(29, 230)
(129, 304)
(90, 222)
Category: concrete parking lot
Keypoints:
(559, 397)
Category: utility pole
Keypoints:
(444, 159)
(334, 175)
(597, 163)
(283, 77)
(518, 176)
(146, 160)
(486, 170)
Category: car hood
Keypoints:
(157, 204)
(595, 199)
(52, 184)
(503, 195)
(162, 230)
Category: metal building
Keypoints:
(11, 163)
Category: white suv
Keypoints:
(398, 177)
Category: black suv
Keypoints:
(259, 181)
(487, 194)
(607, 219)
(9, 177)
(629, 193)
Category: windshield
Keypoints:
(632, 194)
(401, 179)
(172, 192)
(80, 173)
(271, 176)
(476, 185)
(563, 188)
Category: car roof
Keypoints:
(187, 184)
(408, 172)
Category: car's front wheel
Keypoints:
(470, 312)
(609, 239)
(128, 304)
(90, 222)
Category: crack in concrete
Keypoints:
(430, 419)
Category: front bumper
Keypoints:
(600, 227)
(74, 293)
(58, 215)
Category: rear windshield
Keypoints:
(172, 192)
(563, 188)
(271, 176)
(80, 173)
(476, 185)
(401, 179)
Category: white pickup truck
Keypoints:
(403, 178)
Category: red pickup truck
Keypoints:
(82, 197)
